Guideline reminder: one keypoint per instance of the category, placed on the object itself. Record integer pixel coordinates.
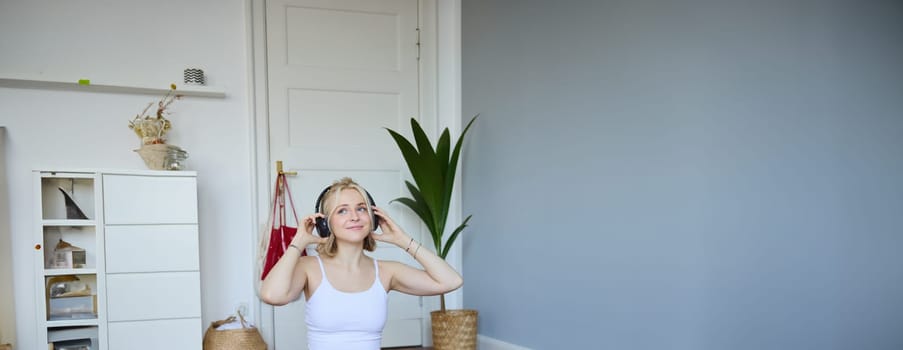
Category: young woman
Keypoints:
(346, 290)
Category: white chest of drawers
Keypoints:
(152, 265)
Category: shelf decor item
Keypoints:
(77, 338)
(163, 156)
(194, 76)
(73, 212)
(70, 298)
(67, 256)
(152, 129)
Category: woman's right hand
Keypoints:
(304, 240)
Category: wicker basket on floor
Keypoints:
(245, 338)
(454, 329)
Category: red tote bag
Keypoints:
(281, 233)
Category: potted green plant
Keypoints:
(433, 171)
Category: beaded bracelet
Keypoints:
(409, 244)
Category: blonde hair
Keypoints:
(330, 247)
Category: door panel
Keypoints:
(403, 331)
(358, 40)
(343, 126)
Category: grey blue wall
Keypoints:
(685, 174)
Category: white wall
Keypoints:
(7, 314)
(145, 43)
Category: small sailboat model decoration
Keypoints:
(73, 212)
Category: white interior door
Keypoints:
(339, 71)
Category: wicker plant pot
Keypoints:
(454, 329)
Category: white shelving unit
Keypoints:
(53, 225)
(69, 223)
(63, 272)
(108, 87)
(142, 258)
(72, 323)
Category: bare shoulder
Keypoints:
(309, 264)
(389, 272)
(310, 269)
(308, 259)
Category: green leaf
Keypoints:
(416, 164)
(429, 170)
(407, 151)
(442, 150)
(417, 208)
(453, 237)
(453, 162)
(430, 221)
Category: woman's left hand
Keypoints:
(391, 232)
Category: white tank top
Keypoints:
(338, 320)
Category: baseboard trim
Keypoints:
(489, 343)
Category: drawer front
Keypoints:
(149, 200)
(182, 334)
(151, 248)
(149, 296)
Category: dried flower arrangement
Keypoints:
(152, 129)
(155, 152)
